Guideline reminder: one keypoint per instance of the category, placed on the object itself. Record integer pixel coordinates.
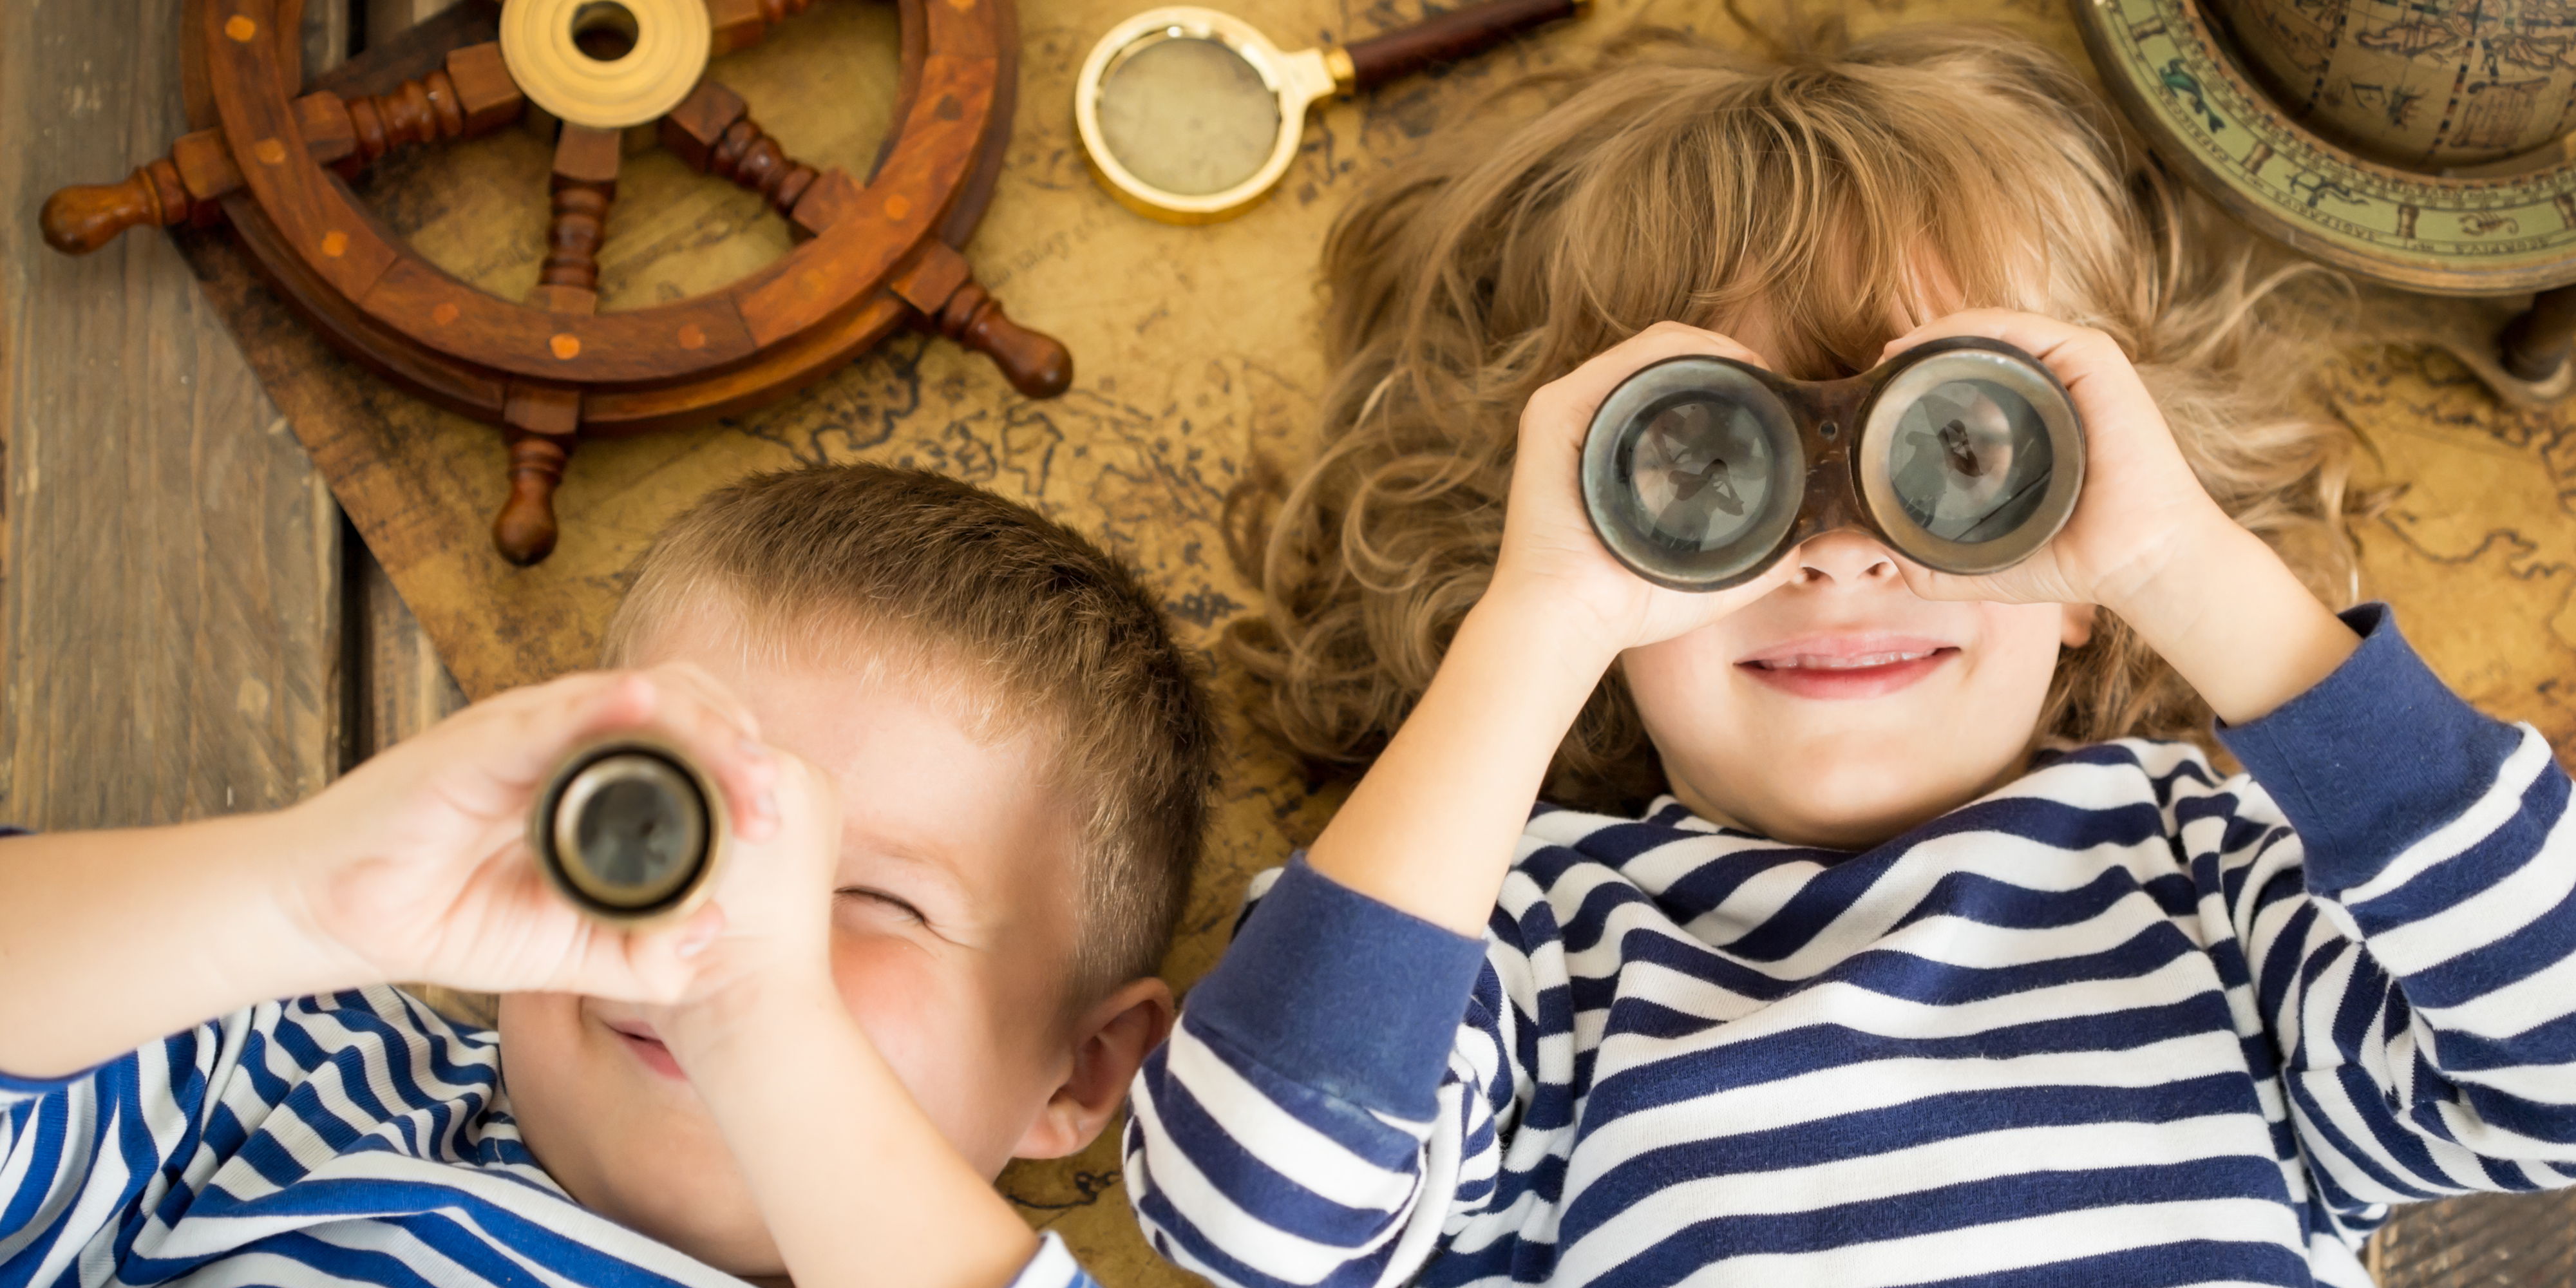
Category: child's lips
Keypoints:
(647, 1046)
(1848, 666)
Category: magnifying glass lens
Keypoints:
(1188, 115)
(1970, 461)
(1702, 473)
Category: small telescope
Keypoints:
(630, 830)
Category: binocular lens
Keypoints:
(1970, 461)
(1964, 455)
(1691, 472)
(1702, 472)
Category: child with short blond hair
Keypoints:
(1911, 962)
(968, 768)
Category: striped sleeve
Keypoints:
(1330, 1098)
(1053, 1267)
(84, 1159)
(114, 1169)
(2409, 925)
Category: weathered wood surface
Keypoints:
(172, 640)
(1196, 349)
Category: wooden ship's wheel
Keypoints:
(549, 370)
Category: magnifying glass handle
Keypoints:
(1450, 37)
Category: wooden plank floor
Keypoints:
(186, 626)
(173, 625)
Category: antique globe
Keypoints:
(2419, 144)
(2420, 84)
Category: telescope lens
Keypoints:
(1187, 115)
(1970, 461)
(631, 831)
(1702, 472)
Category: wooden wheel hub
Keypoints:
(552, 368)
(607, 64)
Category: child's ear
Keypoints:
(1110, 1044)
(2078, 628)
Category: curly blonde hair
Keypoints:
(1669, 179)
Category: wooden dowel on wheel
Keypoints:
(84, 217)
(584, 184)
(524, 530)
(942, 290)
(739, 24)
(712, 131)
(545, 420)
(470, 95)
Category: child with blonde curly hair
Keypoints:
(1918, 940)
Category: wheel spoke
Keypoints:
(741, 23)
(584, 182)
(472, 94)
(713, 132)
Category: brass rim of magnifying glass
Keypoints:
(556, 802)
(2027, 381)
(1295, 81)
(672, 41)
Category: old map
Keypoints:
(1196, 349)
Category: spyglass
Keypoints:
(1190, 116)
(1963, 454)
(630, 831)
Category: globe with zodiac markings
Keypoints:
(2420, 144)
(2421, 84)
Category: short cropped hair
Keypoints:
(1034, 625)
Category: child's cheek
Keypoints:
(916, 1008)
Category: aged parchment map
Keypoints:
(1195, 349)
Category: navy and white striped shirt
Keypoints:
(2124, 1021)
(351, 1139)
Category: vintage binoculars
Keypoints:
(1963, 454)
(630, 831)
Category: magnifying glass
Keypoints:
(1190, 115)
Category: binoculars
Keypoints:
(630, 831)
(1962, 454)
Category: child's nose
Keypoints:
(1845, 557)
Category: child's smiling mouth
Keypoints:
(1847, 666)
(647, 1046)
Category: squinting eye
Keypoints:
(909, 912)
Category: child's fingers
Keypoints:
(706, 688)
(514, 740)
(655, 966)
(2076, 355)
(720, 733)
(1571, 399)
(678, 701)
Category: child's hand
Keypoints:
(2147, 542)
(2141, 504)
(773, 949)
(1551, 557)
(422, 872)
